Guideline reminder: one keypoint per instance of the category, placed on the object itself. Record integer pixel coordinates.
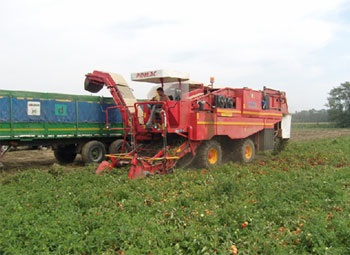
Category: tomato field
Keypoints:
(296, 202)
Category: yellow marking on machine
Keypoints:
(263, 113)
(123, 156)
(228, 111)
(234, 123)
(223, 114)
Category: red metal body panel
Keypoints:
(201, 114)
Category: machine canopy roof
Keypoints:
(159, 76)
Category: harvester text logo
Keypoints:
(33, 108)
(146, 74)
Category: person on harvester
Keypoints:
(161, 96)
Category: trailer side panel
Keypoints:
(31, 116)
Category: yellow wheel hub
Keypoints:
(248, 152)
(213, 156)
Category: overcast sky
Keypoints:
(300, 46)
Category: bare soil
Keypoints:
(308, 134)
(21, 159)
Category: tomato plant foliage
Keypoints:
(292, 203)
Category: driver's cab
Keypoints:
(176, 85)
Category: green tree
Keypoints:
(339, 105)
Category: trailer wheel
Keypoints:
(3, 149)
(209, 154)
(93, 152)
(116, 147)
(65, 155)
(246, 151)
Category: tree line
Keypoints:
(339, 105)
(312, 115)
(338, 110)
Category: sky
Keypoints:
(300, 46)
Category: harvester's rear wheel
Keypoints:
(117, 147)
(93, 152)
(279, 145)
(65, 155)
(245, 151)
(209, 154)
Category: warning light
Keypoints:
(212, 79)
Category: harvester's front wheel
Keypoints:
(185, 161)
(116, 147)
(209, 154)
(93, 152)
(246, 151)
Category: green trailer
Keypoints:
(69, 124)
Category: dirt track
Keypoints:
(44, 158)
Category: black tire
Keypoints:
(93, 152)
(245, 151)
(279, 145)
(116, 147)
(209, 154)
(65, 155)
(186, 161)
